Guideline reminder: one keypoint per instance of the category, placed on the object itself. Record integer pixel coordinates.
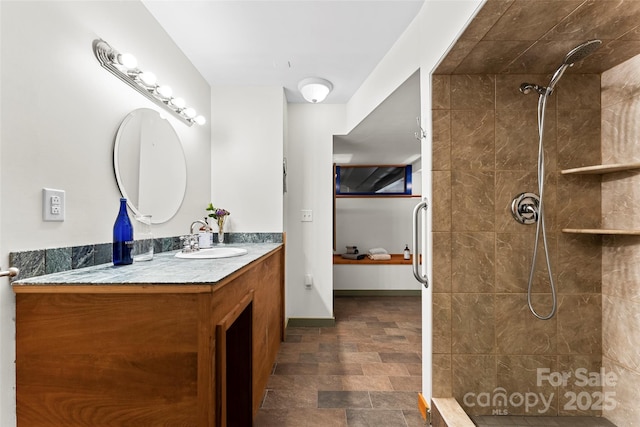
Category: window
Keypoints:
(373, 180)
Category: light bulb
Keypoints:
(178, 103)
(200, 120)
(128, 61)
(190, 113)
(164, 91)
(147, 78)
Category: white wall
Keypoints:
(246, 156)
(374, 222)
(310, 244)
(59, 114)
(367, 277)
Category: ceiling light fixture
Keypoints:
(125, 67)
(315, 89)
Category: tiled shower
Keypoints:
(486, 342)
(490, 352)
(485, 151)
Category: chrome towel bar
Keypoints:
(11, 272)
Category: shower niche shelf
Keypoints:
(601, 169)
(602, 231)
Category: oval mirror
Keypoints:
(150, 165)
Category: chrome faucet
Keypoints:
(190, 242)
(198, 221)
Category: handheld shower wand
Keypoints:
(537, 213)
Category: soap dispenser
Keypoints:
(205, 235)
(406, 252)
(122, 237)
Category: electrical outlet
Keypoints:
(307, 215)
(52, 204)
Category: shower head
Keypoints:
(576, 54)
(581, 51)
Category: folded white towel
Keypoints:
(375, 251)
(379, 257)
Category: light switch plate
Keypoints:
(53, 206)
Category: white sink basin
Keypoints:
(221, 252)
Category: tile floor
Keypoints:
(365, 371)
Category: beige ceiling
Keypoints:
(533, 36)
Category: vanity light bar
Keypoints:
(125, 67)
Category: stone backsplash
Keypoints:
(46, 261)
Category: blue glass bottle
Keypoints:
(122, 237)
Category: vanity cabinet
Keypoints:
(148, 354)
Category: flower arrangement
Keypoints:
(218, 214)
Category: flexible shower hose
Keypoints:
(542, 104)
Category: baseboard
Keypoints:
(377, 292)
(423, 406)
(306, 322)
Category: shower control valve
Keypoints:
(524, 208)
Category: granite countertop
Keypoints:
(164, 268)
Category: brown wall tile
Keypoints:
(578, 138)
(626, 410)
(621, 83)
(441, 203)
(579, 92)
(441, 259)
(579, 197)
(518, 332)
(579, 264)
(441, 386)
(514, 253)
(621, 332)
(441, 92)
(472, 323)
(473, 139)
(441, 150)
(472, 92)
(621, 131)
(442, 328)
(519, 374)
(578, 367)
(621, 200)
(472, 200)
(473, 262)
(620, 269)
(517, 146)
(581, 313)
(473, 374)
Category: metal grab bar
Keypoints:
(416, 220)
(11, 272)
